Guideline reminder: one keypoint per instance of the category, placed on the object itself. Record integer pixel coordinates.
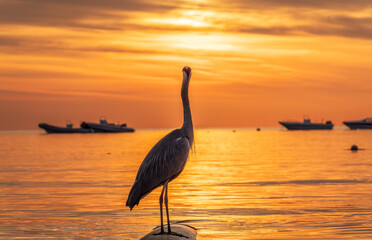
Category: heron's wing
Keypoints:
(164, 162)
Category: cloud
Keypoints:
(117, 49)
(344, 26)
(44, 46)
(293, 4)
(322, 17)
(7, 41)
(9, 73)
(69, 12)
(34, 45)
(64, 93)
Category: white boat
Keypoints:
(68, 129)
(104, 126)
(359, 124)
(307, 125)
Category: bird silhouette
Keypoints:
(166, 160)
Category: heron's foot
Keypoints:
(160, 233)
(176, 234)
(171, 233)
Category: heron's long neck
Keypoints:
(187, 120)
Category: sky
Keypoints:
(254, 63)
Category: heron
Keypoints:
(166, 160)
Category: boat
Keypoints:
(68, 129)
(104, 126)
(307, 125)
(360, 124)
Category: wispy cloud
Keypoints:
(250, 17)
(343, 26)
(68, 12)
(47, 94)
(295, 4)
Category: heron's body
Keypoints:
(166, 159)
(171, 154)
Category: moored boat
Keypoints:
(359, 124)
(104, 126)
(307, 125)
(68, 129)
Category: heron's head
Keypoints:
(186, 73)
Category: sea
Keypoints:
(237, 184)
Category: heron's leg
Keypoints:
(161, 211)
(166, 206)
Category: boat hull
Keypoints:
(55, 129)
(97, 127)
(358, 124)
(307, 126)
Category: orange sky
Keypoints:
(254, 62)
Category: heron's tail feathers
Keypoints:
(134, 195)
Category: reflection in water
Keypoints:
(271, 184)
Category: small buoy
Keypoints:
(354, 148)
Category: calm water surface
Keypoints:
(272, 184)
